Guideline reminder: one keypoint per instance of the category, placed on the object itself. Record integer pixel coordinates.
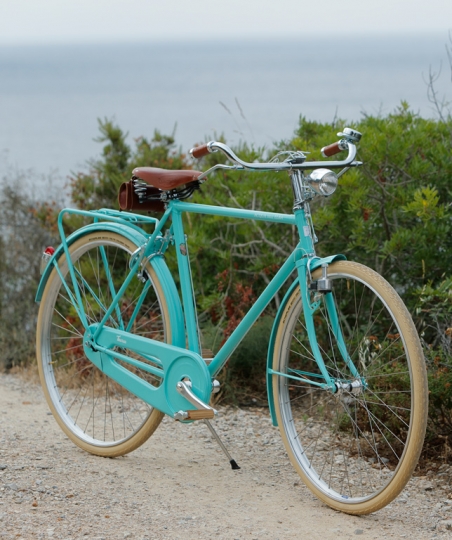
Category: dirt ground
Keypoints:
(179, 485)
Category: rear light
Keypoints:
(46, 256)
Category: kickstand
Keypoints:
(233, 463)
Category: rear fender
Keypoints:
(158, 264)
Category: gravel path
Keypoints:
(179, 485)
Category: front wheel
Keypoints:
(95, 412)
(356, 447)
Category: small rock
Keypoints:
(359, 531)
(3, 467)
(425, 485)
(445, 525)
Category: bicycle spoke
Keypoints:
(96, 409)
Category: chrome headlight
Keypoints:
(323, 181)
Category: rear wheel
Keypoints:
(95, 412)
(355, 448)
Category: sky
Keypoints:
(107, 21)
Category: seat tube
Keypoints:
(186, 282)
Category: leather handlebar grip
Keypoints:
(200, 151)
(335, 148)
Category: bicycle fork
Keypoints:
(323, 287)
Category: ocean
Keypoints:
(52, 96)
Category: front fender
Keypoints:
(314, 263)
(158, 264)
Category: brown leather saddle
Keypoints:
(151, 187)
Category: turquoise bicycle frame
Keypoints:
(172, 362)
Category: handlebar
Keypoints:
(213, 146)
(350, 137)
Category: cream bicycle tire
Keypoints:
(354, 451)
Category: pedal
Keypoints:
(195, 414)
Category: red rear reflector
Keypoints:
(46, 256)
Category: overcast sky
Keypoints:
(97, 21)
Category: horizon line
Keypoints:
(387, 34)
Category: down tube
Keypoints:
(250, 318)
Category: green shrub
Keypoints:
(243, 377)
(22, 241)
(434, 316)
(393, 214)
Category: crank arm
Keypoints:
(203, 411)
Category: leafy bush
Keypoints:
(22, 239)
(243, 379)
(434, 316)
(393, 214)
(99, 186)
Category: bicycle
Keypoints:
(118, 346)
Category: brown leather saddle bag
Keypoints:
(129, 200)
